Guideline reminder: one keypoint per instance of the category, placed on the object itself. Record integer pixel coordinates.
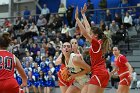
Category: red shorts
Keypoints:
(125, 79)
(100, 80)
(9, 86)
(62, 82)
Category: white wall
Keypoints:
(2, 15)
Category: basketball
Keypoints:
(65, 74)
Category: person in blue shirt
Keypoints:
(26, 13)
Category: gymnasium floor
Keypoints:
(108, 90)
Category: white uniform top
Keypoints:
(81, 80)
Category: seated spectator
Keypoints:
(34, 50)
(127, 20)
(33, 28)
(66, 37)
(107, 32)
(41, 22)
(52, 68)
(38, 58)
(58, 42)
(118, 19)
(102, 25)
(31, 20)
(114, 28)
(6, 23)
(51, 49)
(64, 29)
(108, 18)
(18, 23)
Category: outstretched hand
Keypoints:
(76, 13)
(84, 9)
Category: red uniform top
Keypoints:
(7, 65)
(120, 63)
(96, 57)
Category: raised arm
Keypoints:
(82, 28)
(86, 23)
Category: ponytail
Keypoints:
(106, 45)
(63, 59)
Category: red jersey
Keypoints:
(7, 65)
(96, 57)
(120, 63)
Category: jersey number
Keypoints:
(6, 63)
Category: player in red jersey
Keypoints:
(124, 71)
(62, 83)
(8, 62)
(99, 46)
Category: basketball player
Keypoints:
(77, 68)
(99, 46)
(124, 71)
(8, 62)
(62, 83)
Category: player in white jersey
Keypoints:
(77, 68)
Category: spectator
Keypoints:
(31, 20)
(33, 28)
(45, 12)
(69, 15)
(58, 42)
(127, 20)
(26, 13)
(38, 58)
(114, 27)
(18, 23)
(41, 82)
(102, 25)
(62, 10)
(35, 77)
(6, 23)
(64, 29)
(108, 18)
(107, 32)
(51, 49)
(124, 3)
(41, 22)
(34, 50)
(118, 19)
(50, 82)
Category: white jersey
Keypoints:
(80, 80)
